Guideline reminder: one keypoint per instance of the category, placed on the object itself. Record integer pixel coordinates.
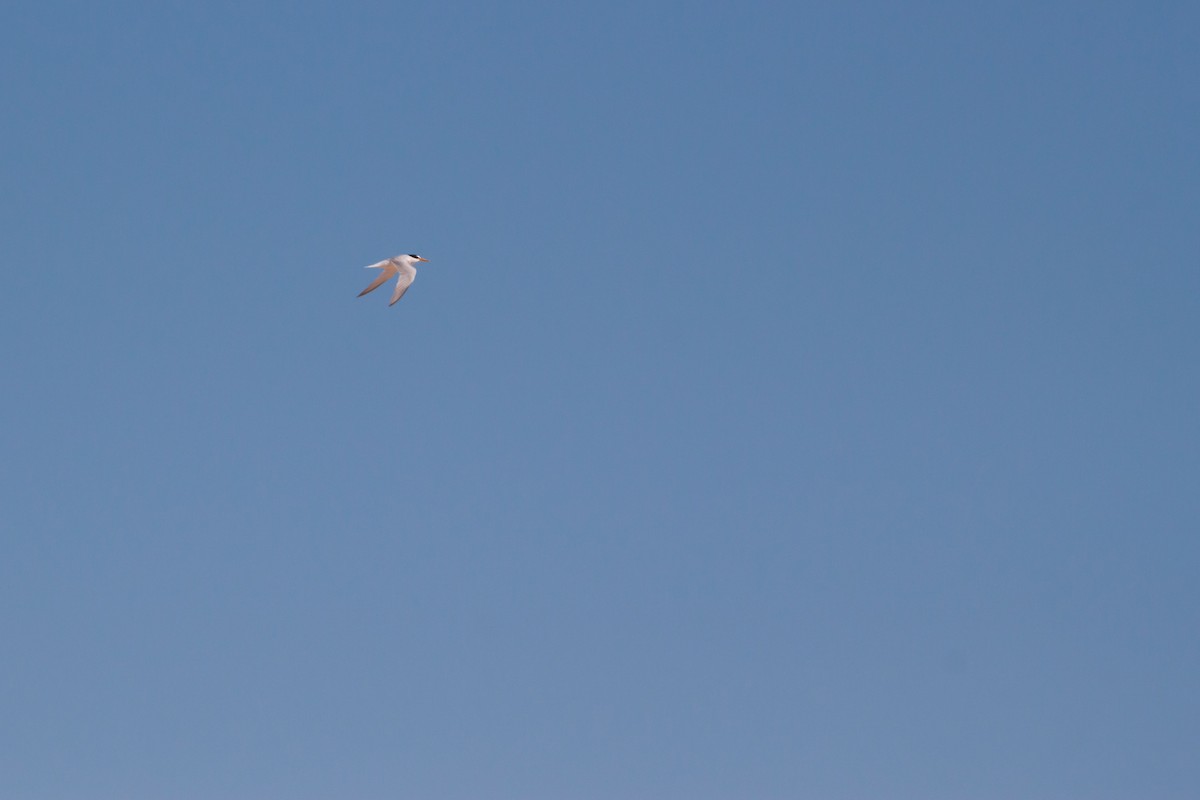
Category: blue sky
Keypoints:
(801, 401)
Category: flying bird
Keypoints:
(401, 266)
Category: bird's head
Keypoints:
(416, 257)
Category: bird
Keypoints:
(401, 266)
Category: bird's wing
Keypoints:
(388, 270)
(407, 274)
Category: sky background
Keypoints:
(801, 400)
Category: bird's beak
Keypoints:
(426, 260)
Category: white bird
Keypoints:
(401, 266)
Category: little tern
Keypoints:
(401, 266)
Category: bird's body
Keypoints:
(401, 266)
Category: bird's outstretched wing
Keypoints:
(407, 274)
(388, 270)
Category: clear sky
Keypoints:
(801, 401)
